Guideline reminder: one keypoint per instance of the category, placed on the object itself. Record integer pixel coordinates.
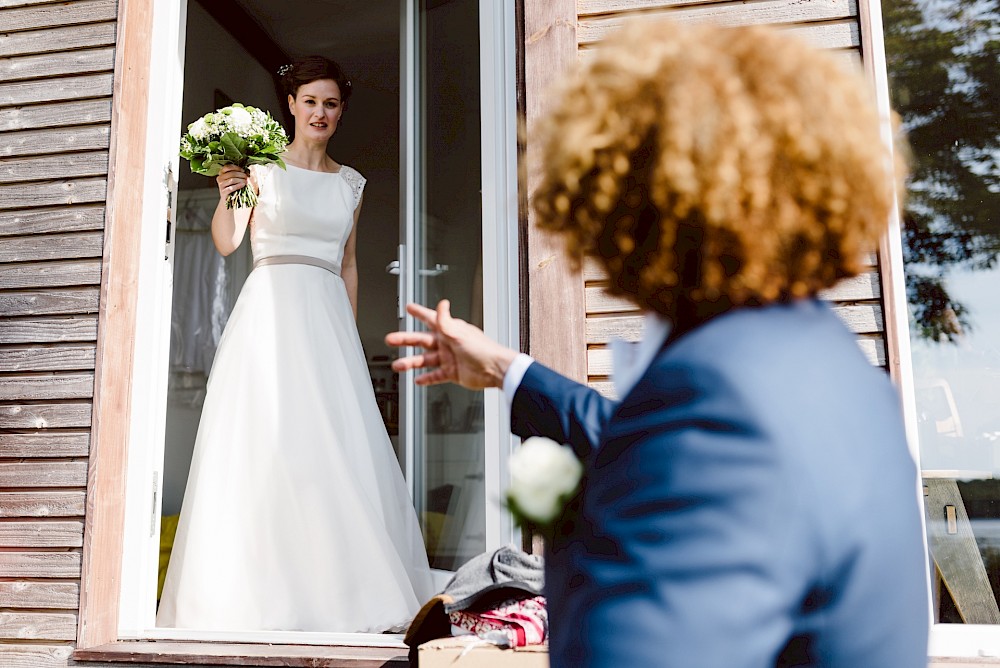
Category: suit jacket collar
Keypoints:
(631, 360)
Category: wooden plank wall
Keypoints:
(552, 285)
(56, 62)
(830, 24)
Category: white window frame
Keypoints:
(501, 268)
(154, 285)
(946, 640)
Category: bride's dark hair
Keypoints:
(313, 68)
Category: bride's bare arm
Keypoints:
(349, 266)
(229, 225)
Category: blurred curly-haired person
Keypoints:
(750, 499)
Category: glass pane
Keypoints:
(449, 491)
(945, 82)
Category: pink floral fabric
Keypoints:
(524, 622)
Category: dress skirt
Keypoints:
(296, 516)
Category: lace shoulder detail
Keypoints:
(356, 182)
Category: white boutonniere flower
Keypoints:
(544, 475)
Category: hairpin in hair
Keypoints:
(284, 69)
(349, 85)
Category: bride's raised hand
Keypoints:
(230, 179)
(454, 350)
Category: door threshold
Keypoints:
(172, 652)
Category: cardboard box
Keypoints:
(448, 652)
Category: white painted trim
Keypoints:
(891, 249)
(964, 640)
(152, 334)
(501, 298)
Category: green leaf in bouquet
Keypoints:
(261, 159)
(197, 164)
(235, 147)
(214, 164)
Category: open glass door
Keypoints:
(443, 232)
(452, 458)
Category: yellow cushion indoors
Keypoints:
(168, 527)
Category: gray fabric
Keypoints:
(506, 572)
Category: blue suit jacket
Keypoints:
(750, 503)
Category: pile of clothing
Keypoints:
(496, 596)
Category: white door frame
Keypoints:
(501, 267)
(154, 286)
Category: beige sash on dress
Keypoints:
(297, 259)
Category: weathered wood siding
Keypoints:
(830, 24)
(56, 62)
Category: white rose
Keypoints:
(240, 120)
(543, 474)
(198, 129)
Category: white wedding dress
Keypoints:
(296, 516)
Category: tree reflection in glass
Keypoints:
(943, 60)
(944, 67)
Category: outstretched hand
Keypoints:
(453, 350)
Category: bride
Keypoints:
(296, 516)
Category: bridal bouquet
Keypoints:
(544, 476)
(235, 135)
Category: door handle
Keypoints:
(393, 268)
(436, 271)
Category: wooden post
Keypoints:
(100, 583)
(956, 554)
(556, 313)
